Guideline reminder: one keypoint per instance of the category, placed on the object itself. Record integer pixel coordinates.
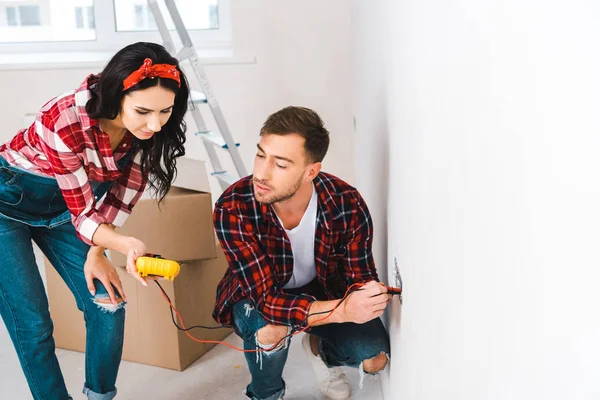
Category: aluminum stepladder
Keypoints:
(222, 139)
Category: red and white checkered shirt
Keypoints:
(68, 145)
(260, 255)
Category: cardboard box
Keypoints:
(150, 336)
(191, 174)
(180, 228)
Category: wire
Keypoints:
(171, 308)
(276, 345)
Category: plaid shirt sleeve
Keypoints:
(72, 178)
(124, 194)
(254, 272)
(358, 261)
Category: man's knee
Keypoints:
(271, 334)
(376, 363)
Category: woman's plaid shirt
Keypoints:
(66, 144)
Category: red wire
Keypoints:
(256, 350)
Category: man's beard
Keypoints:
(281, 197)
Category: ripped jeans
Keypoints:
(346, 344)
(31, 209)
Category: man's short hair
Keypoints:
(304, 122)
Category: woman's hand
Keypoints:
(135, 248)
(130, 247)
(97, 266)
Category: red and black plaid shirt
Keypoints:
(68, 145)
(260, 254)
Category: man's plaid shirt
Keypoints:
(260, 254)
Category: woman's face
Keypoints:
(145, 111)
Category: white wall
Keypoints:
(371, 143)
(494, 193)
(370, 39)
(302, 59)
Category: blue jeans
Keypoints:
(32, 208)
(346, 344)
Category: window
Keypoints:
(84, 18)
(104, 26)
(11, 16)
(144, 19)
(90, 17)
(79, 17)
(29, 15)
(213, 16)
(23, 16)
(135, 15)
(46, 21)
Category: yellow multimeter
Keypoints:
(157, 266)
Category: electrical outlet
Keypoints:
(397, 277)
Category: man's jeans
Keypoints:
(344, 344)
(32, 207)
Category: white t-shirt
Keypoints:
(302, 238)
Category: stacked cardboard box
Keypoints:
(179, 229)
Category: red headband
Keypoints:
(147, 70)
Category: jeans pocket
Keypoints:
(10, 193)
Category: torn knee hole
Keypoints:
(106, 304)
(269, 347)
(270, 336)
(107, 300)
(375, 364)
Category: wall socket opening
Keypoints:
(397, 276)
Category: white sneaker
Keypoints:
(332, 381)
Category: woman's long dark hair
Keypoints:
(160, 152)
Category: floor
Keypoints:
(221, 374)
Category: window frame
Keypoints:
(109, 40)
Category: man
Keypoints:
(295, 239)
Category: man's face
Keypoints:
(280, 167)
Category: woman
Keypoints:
(66, 182)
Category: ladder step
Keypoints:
(197, 97)
(215, 139)
(225, 177)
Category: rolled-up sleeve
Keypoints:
(72, 180)
(255, 274)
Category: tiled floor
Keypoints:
(220, 375)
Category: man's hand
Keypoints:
(97, 266)
(366, 304)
